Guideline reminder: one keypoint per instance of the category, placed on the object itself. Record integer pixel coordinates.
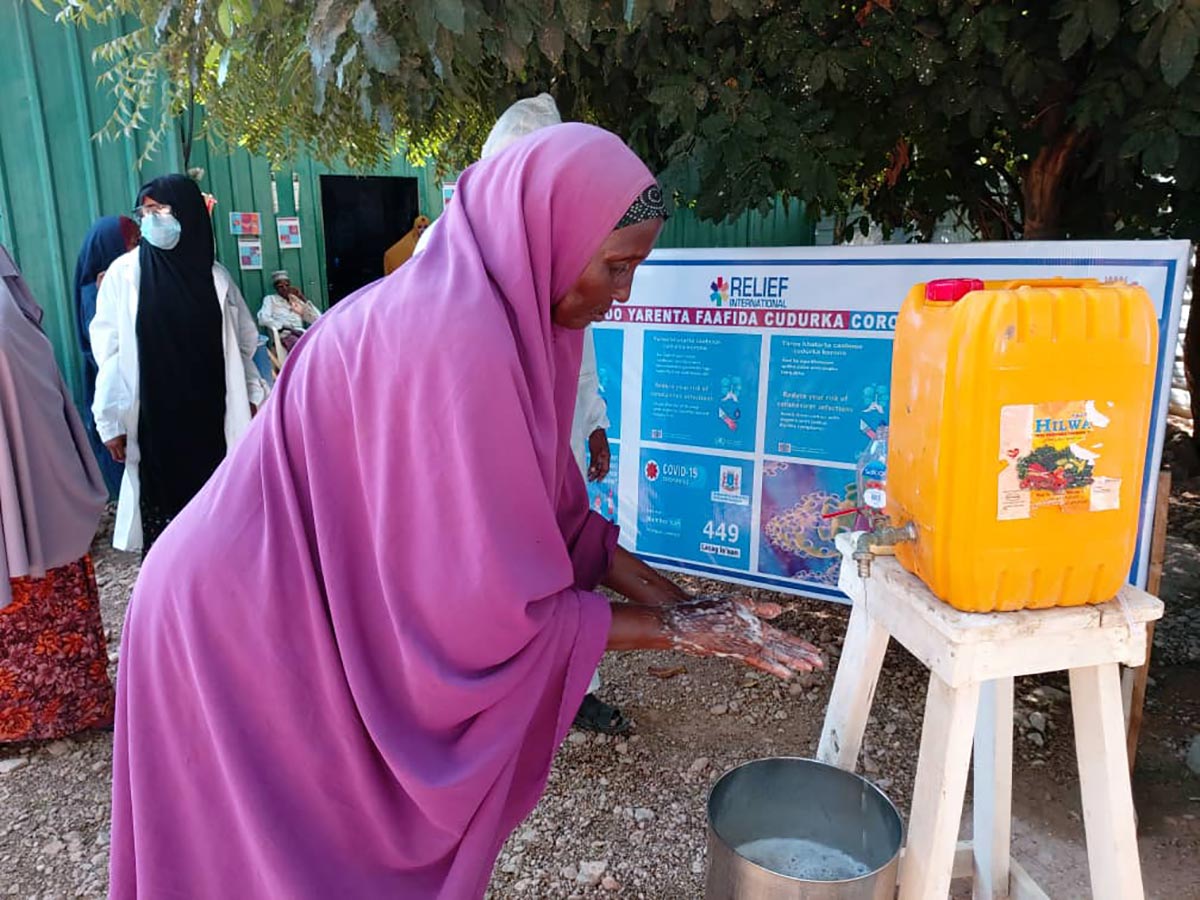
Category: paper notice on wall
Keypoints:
(288, 228)
(250, 255)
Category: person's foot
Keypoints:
(596, 715)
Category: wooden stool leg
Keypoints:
(942, 768)
(1133, 690)
(993, 789)
(1104, 783)
(853, 690)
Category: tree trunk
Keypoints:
(1043, 185)
(1191, 354)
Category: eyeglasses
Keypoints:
(140, 212)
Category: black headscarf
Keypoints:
(105, 241)
(181, 428)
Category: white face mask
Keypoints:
(161, 231)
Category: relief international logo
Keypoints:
(720, 292)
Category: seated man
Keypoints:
(287, 310)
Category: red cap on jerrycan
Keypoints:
(951, 290)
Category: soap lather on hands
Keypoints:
(735, 629)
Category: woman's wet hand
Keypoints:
(735, 628)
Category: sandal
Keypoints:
(596, 715)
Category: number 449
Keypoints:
(721, 532)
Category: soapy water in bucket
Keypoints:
(804, 859)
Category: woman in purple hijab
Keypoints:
(53, 662)
(348, 664)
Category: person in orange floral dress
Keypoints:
(53, 662)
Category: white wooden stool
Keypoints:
(973, 658)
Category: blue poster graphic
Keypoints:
(826, 396)
(797, 539)
(610, 357)
(695, 507)
(700, 389)
(603, 494)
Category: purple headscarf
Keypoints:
(51, 492)
(348, 663)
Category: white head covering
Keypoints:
(522, 118)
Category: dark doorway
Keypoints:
(364, 216)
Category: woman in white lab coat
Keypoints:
(173, 342)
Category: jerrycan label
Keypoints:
(875, 485)
(1052, 459)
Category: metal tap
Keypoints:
(881, 535)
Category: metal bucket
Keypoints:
(800, 800)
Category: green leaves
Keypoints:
(577, 19)
(452, 14)
(818, 73)
(379, 48)
(1098, 20)
(552, 41)
(1075, 31)
(1180, 41)
(1105, 18)
(1160, 156)
(734, 101)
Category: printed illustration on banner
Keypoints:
(874, 412)
(731, 480)
(729, 487)
(730, 407)
(1050, 453)
(694, 508)
(799, 503)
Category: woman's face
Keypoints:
(608, 276)
(151, 207)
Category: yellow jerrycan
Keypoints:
(1019, 427)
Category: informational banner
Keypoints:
(744, 385)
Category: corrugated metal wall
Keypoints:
(786, 224)
(55, 180)
(243, 183)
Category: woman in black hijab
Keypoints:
(108, 238)
(182, 419)
(191, 324)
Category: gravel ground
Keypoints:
(625, 817)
